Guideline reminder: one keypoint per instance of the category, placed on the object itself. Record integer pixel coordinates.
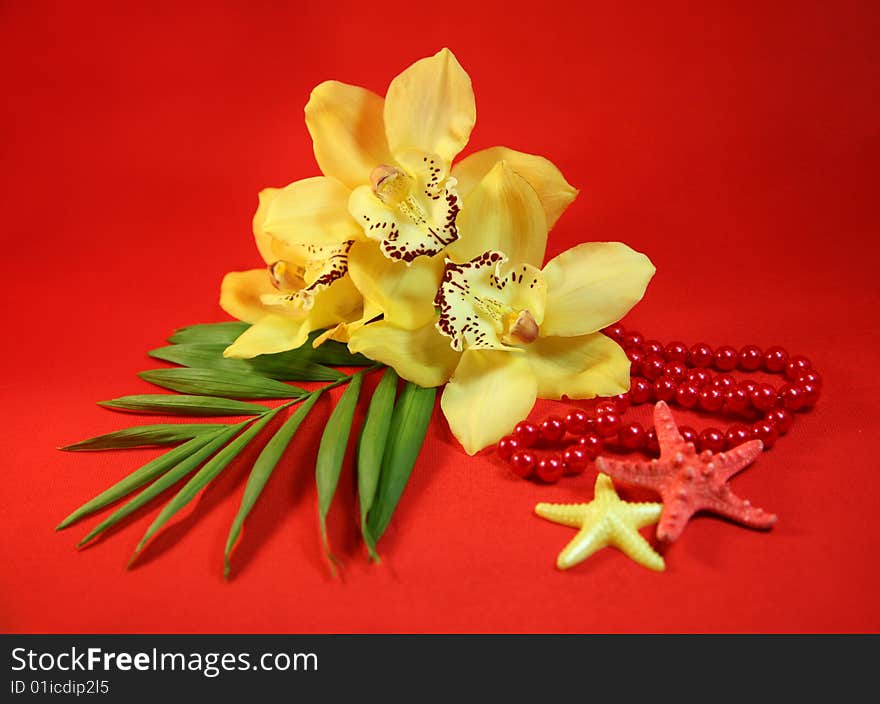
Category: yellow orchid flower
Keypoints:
(508, 332)
(528, 333)
(302, 288)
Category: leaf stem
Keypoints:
(332, 385)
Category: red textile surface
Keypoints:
(737, 146)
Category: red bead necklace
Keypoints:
(679, 375)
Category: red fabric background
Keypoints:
(736, 145)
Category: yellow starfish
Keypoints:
(606, 520)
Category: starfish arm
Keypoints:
(572, 515)
(735, 460)
(668, 437)
(643, 474)
(591, 538)
(741, 511)
(677, 512)
(633, 544)
(641, 514)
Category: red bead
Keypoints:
(575, 459)
(665, 388)
(523, 462)
(711, 398)
(615, 332)
(764, 397)
(737, 434)
(775, 359)
(636, 358)
(687, 395)
(765, 431)
(713, 439)
(552, 429)
(607, 424)
(653, 347)
(796, 366)
(526, 433)
(689, 434)
(749, 385)
(651, 444)
(700, 355)
(792, 397)
(631, 436)
(592, 444)
(606, 407)
(698, 377)
(811, 377)
(621, 403)
(577, 422)
(507, 446)
(725, 358)
(810, 394)
(675, 370)
(738, 400)
(750, 358)
(652, 367)
(550, 469)
(640, 390)
(632, 339)
(676, 352)
(725, 382)
(782, 418)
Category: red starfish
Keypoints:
(688, 482)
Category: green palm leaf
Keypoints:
(371, 448)
(138, 478)
(144, 436)
(168, 479)
(183, 405)
(332, 451)
(412, 414)
(204, 476)
(209, 333)
(285, 366)
(262, 470)
(213, 382)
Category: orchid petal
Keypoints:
(348, 131)
(339, 302)
(264, 240)
(312, 211)
(405, 294)
(578, 367)
(593, 285)
(342, 332)
(480, 300)
(240, 294)
(283, 328)
(489, 393)
(554, 192)
(502, 213)
(422, 356)
(430, 107)
(270, 334)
